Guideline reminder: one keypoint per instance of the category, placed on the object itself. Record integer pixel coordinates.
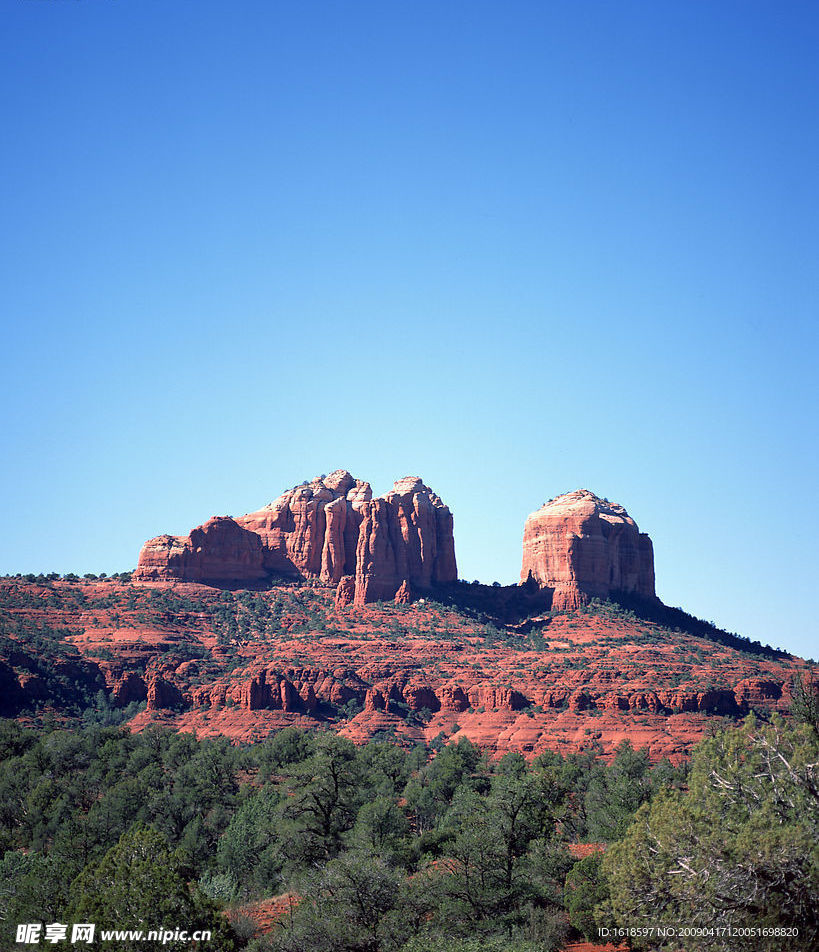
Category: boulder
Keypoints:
(404, 594)
(345, 591)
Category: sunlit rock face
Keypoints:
(405, 540)
(583, 547)
(331, 529)
(218, 551)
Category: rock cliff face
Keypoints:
(331, 529)
(583, 547)
(219, 550)
(312, 530)
(405, 539)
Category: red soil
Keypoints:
(582, 850)
(265, 913)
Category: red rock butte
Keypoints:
(583, 547)
(331, 529)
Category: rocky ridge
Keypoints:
(331, 529)
(250, 624)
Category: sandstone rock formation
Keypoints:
(345, 592)
(331, 529)
(405, 539)
(312, 530)
(127, 688)
(220, 550)
(556, 682)
(583, 547)
(163, 694)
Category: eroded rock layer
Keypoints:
(583, 547)
(246, 664)
(219, 550)
(332, 529)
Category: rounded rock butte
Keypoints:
(583, 547)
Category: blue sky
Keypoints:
(515, 248)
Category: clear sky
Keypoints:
(515, 248)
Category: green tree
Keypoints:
(250, 850)
(322, 798)
(284, 748)
(585, 890)
(33, 889)
(564, 783)
(490, 876)
(354, 904)
(386, 767)
(430, 793)
(805, 703)
(740, 848)
(382, 827)
(138, 885)
(615, 792)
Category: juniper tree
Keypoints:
(739, 849)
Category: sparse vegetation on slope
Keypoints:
(245, 663)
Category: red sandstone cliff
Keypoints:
(584, 547)
(312, 530)
(405, 540)
(219, 550)
(331, 529)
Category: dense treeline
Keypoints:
(459, 843)
(738, 849)
(386, 849)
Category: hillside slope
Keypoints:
(490, 665)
